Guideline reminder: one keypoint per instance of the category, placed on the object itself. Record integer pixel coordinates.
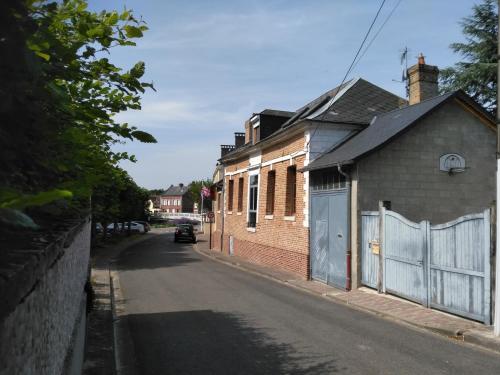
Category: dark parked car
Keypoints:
(185, 232)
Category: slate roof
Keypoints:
(356, 101)
(176, 190)
(276, 112)
(383, 129)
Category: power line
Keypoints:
(348, 70)
(363, 42)
(378, 31)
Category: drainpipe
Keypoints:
(223, 207)
(348, 253)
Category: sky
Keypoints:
(214, 63)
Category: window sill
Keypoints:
(251, 230)
(238, 213)
(289, 218)
(269, 217)
(229, 212)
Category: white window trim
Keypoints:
(269, 217)
(258, 164)
(253, 173)
(289, 218)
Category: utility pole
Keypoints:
(496, 321)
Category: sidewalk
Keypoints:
(100, 356)
(368, 300)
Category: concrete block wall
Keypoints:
(38, 330)
(406, 171)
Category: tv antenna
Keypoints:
(403, 57)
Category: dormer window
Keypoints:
(255, 129)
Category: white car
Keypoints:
(134, 227)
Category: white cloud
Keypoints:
(188, 115)
(173, 164)
(257, 28)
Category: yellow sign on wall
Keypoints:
(375, 246)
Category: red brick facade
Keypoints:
(277, 240)
(171, 203)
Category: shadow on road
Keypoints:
(159, 252)
(209, 342)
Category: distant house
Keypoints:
(154, 203)
(176, 199)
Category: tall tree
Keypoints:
(59, 97)
(194, 189)
(477, 74)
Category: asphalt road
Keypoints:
(191, 315)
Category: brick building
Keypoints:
(264, 199)
(176, 199)
(300, 180)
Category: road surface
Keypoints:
(188, 314)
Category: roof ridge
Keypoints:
(419, 103)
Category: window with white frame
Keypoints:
(291, 190)
(253, 193)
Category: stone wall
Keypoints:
(43, 302)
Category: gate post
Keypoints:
(382, 206)
(427, 262)
(487, 267)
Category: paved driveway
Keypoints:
(191, 315)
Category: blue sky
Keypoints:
(214, 63)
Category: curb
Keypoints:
(123, 349)
(123, 346)
(471, 339)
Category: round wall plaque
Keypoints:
(452, 163)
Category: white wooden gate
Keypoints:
(445, 266)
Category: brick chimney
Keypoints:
(239, 139)
(248, 132)
(225, 149)
(423, 81)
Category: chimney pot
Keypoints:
(421, 59)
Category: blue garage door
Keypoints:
(329, 237)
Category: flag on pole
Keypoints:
(205, 192)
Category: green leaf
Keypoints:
(132, 31)
(138, 70)
(40, 199)
(113, 18)
(44, 56)
(143, 136)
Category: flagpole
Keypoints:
(201, 211)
